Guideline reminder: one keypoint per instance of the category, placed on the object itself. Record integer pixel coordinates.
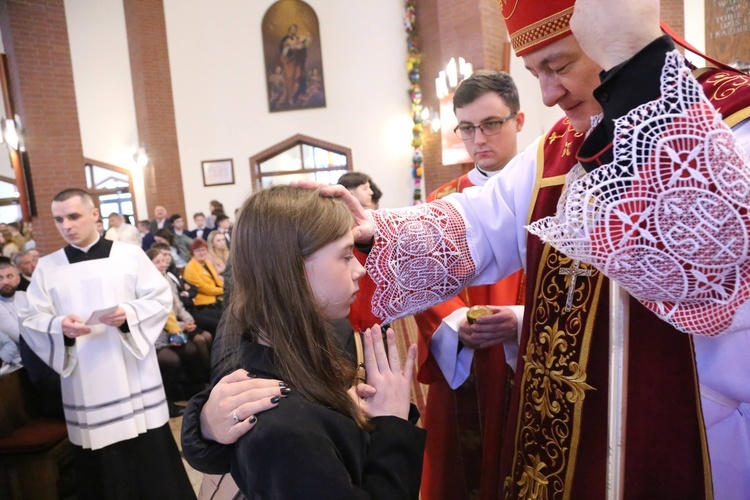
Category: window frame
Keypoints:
(298, 140)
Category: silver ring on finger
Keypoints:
(235, 417)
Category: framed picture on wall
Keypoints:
(217, 172)
(293, 57)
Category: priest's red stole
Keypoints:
(465, 426)
(556, 439)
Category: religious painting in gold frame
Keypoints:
(293, 57)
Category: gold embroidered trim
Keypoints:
(725, 85)
(558, 180)
(445, 192)
(553, 385)
(542, 30)
(737, 117)
(538, 180)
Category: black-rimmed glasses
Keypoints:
(490, 127)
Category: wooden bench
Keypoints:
(32, 449)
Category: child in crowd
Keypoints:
(166, 237)
(294, 271)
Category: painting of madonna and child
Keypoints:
(294, 64)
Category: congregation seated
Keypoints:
(200, 273)
(182, 349)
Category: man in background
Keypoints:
(93, 312)
(160, 219)
(119, 230)
(25, 262)
(9, 330)
(464, 364)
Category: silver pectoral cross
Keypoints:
(574, 272)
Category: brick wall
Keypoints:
(35, 38)
(672, 13)
(473, 30)
(154, 105)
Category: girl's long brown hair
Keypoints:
(271, 299)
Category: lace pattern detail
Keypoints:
(668, 218)
(420, 258)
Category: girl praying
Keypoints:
(293, 272)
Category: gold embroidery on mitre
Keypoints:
(504, 4)
(542, 30)
(553, 385)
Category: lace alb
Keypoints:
(420, 258)
(668, 218)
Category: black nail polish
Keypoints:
(275, 399)
(252, 419)
(251, 375)
(286, 391)
(282, 384)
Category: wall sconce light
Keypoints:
(140, 157)
(11, 133)
(453, 74)
(432, 118)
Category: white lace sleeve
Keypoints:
(668, 218)
(420, 258)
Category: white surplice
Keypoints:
(111, 385)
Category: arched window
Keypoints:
(110, 186)
(300, 158)
(10, 210)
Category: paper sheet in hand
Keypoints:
(96, 316)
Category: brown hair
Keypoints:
(66, 194)
(352, 180)
(277, 229)
(166, 234)
(160, 246)
(153, 253)
(486, 81)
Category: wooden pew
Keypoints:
(32, 449)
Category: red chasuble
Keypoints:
(464, 426)
(556, 438)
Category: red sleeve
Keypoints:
(360, 315)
